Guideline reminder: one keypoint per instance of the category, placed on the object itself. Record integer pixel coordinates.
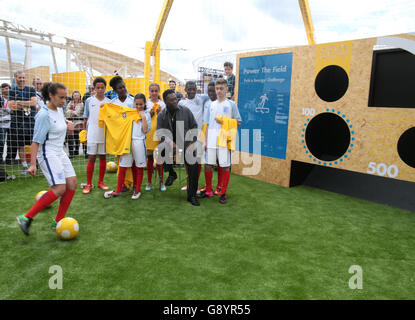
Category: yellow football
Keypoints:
(39, 195)
(112, 166)
(67, 228)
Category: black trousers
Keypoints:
(192, 179)
(170, 169)
(11, 145)
(192, 176)
(17, 138)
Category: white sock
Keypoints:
(24, 164)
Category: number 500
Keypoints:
(382, 169)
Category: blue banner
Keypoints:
(264, 100)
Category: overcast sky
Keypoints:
(200, 27)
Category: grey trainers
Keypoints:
(24, 223)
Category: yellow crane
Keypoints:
(152, 49)
(308, 22)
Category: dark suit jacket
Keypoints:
(184, 117)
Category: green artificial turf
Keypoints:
(267, 242)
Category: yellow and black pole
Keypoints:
(308, 22)
(153, 49)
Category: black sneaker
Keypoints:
(170, 180)
(193, 201)
(222, 199)
(24, 223)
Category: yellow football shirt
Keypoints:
(118, 127)
(82, 136)
(227, 133)
(150, 143)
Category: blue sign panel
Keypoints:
(264, 100)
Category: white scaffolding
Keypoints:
(88, 58)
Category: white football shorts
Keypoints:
(223, 155)
(138, 154)
(56, 168)
(96, 149)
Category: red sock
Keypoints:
(64, 204)
(208, 178)
(121, 178)
(41, 204)
(199, 167)
(102, 169)
(90, 171)
(160, 170)
(134, 171)
(150, 170)
(220, 177)
(140, 174)
(225, 181)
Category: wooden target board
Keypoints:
(346, 105)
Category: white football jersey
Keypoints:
(196, 106)
(217, 109)
(50, 131)
(95, 134)
(150, 104)
(138, 133)
(129, 102)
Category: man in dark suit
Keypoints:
(176, 129)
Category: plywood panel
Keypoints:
(374, 132)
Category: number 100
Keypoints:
(309, 111)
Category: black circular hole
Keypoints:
(331, 83)
(327, 136)
(406, 149)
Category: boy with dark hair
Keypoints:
(212, 97)
(172, 85)
(228, 67)
(122, 97)
(195, 103)
(118, 134)
(220, 110)
(95, 135)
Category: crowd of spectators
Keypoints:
(19, 104)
